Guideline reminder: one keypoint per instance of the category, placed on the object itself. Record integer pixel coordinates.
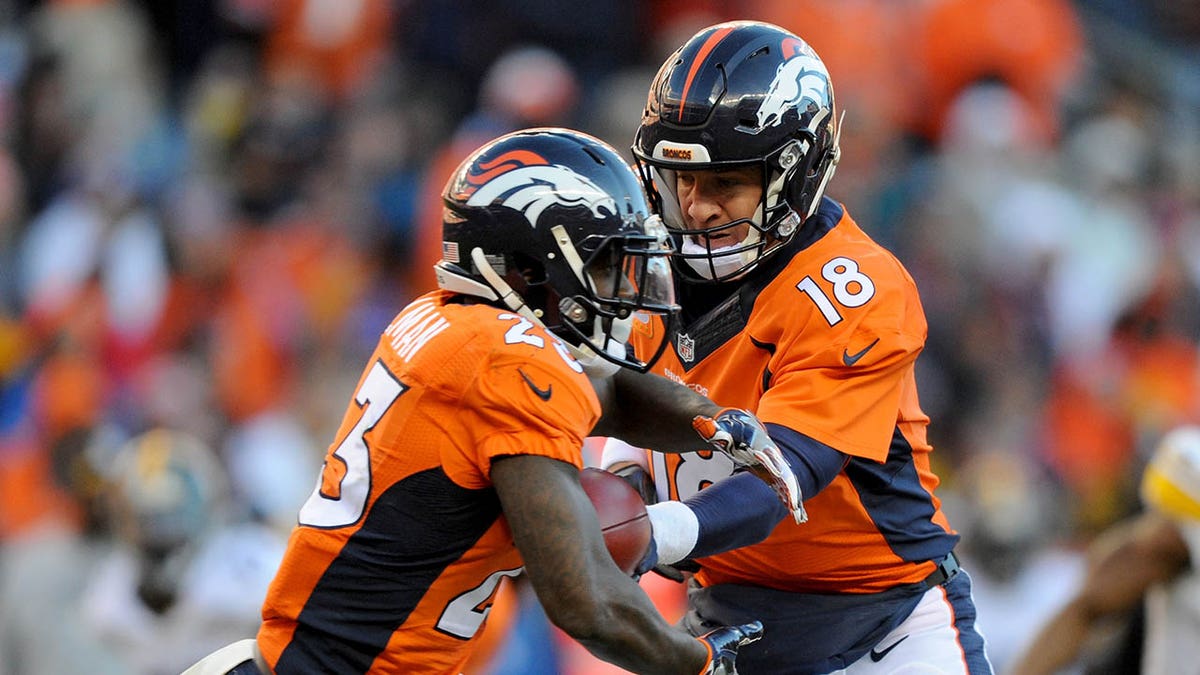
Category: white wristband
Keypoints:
(676, 529)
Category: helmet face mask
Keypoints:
(737, 94)
(554, 225)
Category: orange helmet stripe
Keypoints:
(707, 47)
(504, 163)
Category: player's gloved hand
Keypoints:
(648, 562)
(676, 571)
(723, 644)
(640, 479)
(740, 435)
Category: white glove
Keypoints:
(740, 435)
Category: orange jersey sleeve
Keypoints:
(401, 546)
(824, 346)
(845, 329)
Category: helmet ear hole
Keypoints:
(529, 277)
(802, 182)
(532, 270)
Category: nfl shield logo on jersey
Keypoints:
(686, 347)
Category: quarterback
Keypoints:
(790, 310)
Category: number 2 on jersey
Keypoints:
(463, 615)
(344, 486)
(851, 288)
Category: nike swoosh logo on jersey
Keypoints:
(877, 656)
(851, 359)
(543, 394)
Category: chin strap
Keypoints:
(499, 286)
(833, 162)
(593, 364)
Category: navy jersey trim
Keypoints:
(411, 534)
(899, 505)
(769, 348)
(974, 647)
(814, 463)
(824, 219)
(713, 314)
(694, 343)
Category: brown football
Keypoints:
(622, 515)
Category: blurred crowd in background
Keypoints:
(209, 211)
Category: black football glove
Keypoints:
(648, 561)
(723, 644)
(676, 571)
(739, 434)
(641, 481)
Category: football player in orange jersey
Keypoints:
(457, 462)
(793, 312)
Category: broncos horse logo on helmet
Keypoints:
(553, 225)
(533, 188)
(801, 78)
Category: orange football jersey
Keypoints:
(401, 546)
(824, 345)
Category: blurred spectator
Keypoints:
(336, 44)
(1033, 46)
(1141, 572)
(527, 86)
(59, 390)
(47, 569)
(272, 464)
(181, 579)
(1013, 532)
(12, 199)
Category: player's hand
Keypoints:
(648, 562)
(640, 479)
(723, 644)
(740, 435)
(676, 572)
